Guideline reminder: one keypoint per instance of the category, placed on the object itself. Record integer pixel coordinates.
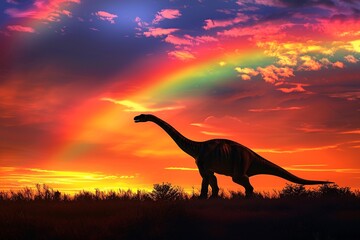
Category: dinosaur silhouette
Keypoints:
(224, 157)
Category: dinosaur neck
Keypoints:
(190, 147)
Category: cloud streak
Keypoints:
(106, 16)
(182, 168)
(157, 32)
(296, 150)
(181, 55)
(20, 28)
(275, 109)
(136, 107)
(337, 170)
(210, 23)
(68, 180)
(166, 14)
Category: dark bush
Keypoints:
(334, 191)
(166, 191)
(294, 191)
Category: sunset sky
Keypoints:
(281, 77)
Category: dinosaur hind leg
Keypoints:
(244, 181)
(241, 167)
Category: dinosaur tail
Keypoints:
(263, 166)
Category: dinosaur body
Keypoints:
(225, 157)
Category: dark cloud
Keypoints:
(307, 3)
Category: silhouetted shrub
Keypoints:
(294, 191)
(334, 191)
(166, 191)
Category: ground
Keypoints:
(301, 218)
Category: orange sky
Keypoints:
(75, 75)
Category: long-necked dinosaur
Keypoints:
(225, 157)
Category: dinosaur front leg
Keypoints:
(212, 181)
(204, 187)
(214, 186)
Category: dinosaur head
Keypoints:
(142, 118)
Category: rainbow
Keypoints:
(97, 125)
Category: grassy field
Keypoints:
(291, 216)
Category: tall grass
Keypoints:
(168, 192)
(167, 212)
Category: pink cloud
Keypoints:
(263, 30)
(15, 13)
(209, 23)
(47, 10)
(166, 14)
(19, 28)
(106, 16)
(273, 74)
(351, 59)
(189, 40)
(206, 39)
(52, 3)
(181, 55)
(338, 64)
(140, 22)
(246, 73)
(275, 109)
(298, 88)
(67, 13)
(157, 32)
(309, 64)
(245, 77)
(326, 62)
(177, 40)
(272, 3)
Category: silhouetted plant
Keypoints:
(333, 190)
(166, 191)
(65, 197)
(28, 193)
(17, 196)
(294, 191)
(141, 195)
(84, 196)
(99, 195)
(43, 193)
(236, 195)
(4, 196)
